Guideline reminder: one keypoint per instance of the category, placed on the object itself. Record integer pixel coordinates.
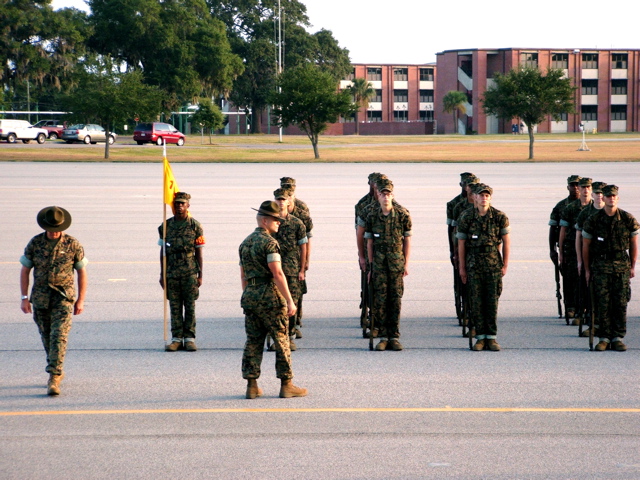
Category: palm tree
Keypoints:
(453, 102)
(362, 92)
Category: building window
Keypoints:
(377, 97)
(619, 87)
(529, 60)
(619, 61)
(589, 113)
(374, 116)
(426, 115)
(618, 112)
(400, 116)
(374, 74)
(352, 75)
(589, 87)
(426, 74)
(560, 60)
(426, 96)
(590, 60)
(400, 74)
(401, 96)
(563, 117)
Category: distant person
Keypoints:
(183, 245)
(53, 256)
(267, 303)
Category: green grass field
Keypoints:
(412, 148)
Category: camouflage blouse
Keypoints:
(53, 263)
(256, 252)
(291, 234)
(182, 239)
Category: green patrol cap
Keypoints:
(597, 186)
(279, 193)
(573, 179)
(610, 190)
(181, 197)
(288, 182)
(472, 180)
(375, 176)
(482, 187)
(585, 182)
(466, 178)
(385, 184)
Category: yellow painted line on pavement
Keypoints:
(327, 410)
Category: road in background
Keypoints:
(544, 407)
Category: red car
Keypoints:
(158, 133)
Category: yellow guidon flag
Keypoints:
(170, 184)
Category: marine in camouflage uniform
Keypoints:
(183, 247)
(388, 233)
(361, 211)
(451, 204)
(607, 236)
(567, 248)
(482, 232)
(266, 302)
(299, 209)
(53, 256)
(596, 204)
(554, 228)
(292, 239)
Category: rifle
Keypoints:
(364, 303)
(593, 315)
(558, 294)
(370, 301)
(457, 294)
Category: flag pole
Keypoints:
(164, 240)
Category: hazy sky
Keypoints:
(413, 31)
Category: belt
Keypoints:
(483, 249)
(622, 255)
(258, 280)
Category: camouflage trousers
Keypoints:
(295, 287)
(54, 324)
(387, 291)
(612, 292)
(483, 289)
(258, 323)
(182, 293)
(570, 281)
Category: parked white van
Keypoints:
(13, 130)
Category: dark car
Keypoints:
(54, 127)
(158, 133)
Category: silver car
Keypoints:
(87, 133)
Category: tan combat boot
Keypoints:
(479, 346)
(173, 347)
(292, 344)
(190, 346)
(289, 390)
(53, 386)
(253, 391)
(493, 345)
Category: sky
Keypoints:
(413, 31)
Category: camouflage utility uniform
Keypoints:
(609, 238)
(388, 233)
(482, 236)
(264, 306)
(568, 219)
(182, 239)
(53, 293)
(290, 236)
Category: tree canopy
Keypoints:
(453, 102)
(310, 99)
(531, 96)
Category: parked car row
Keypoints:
(154, 132)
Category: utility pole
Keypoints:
(279, 61)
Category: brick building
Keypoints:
(607, 98)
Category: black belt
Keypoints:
(483, 249)
(258, 280)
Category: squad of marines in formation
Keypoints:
(592, 244)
